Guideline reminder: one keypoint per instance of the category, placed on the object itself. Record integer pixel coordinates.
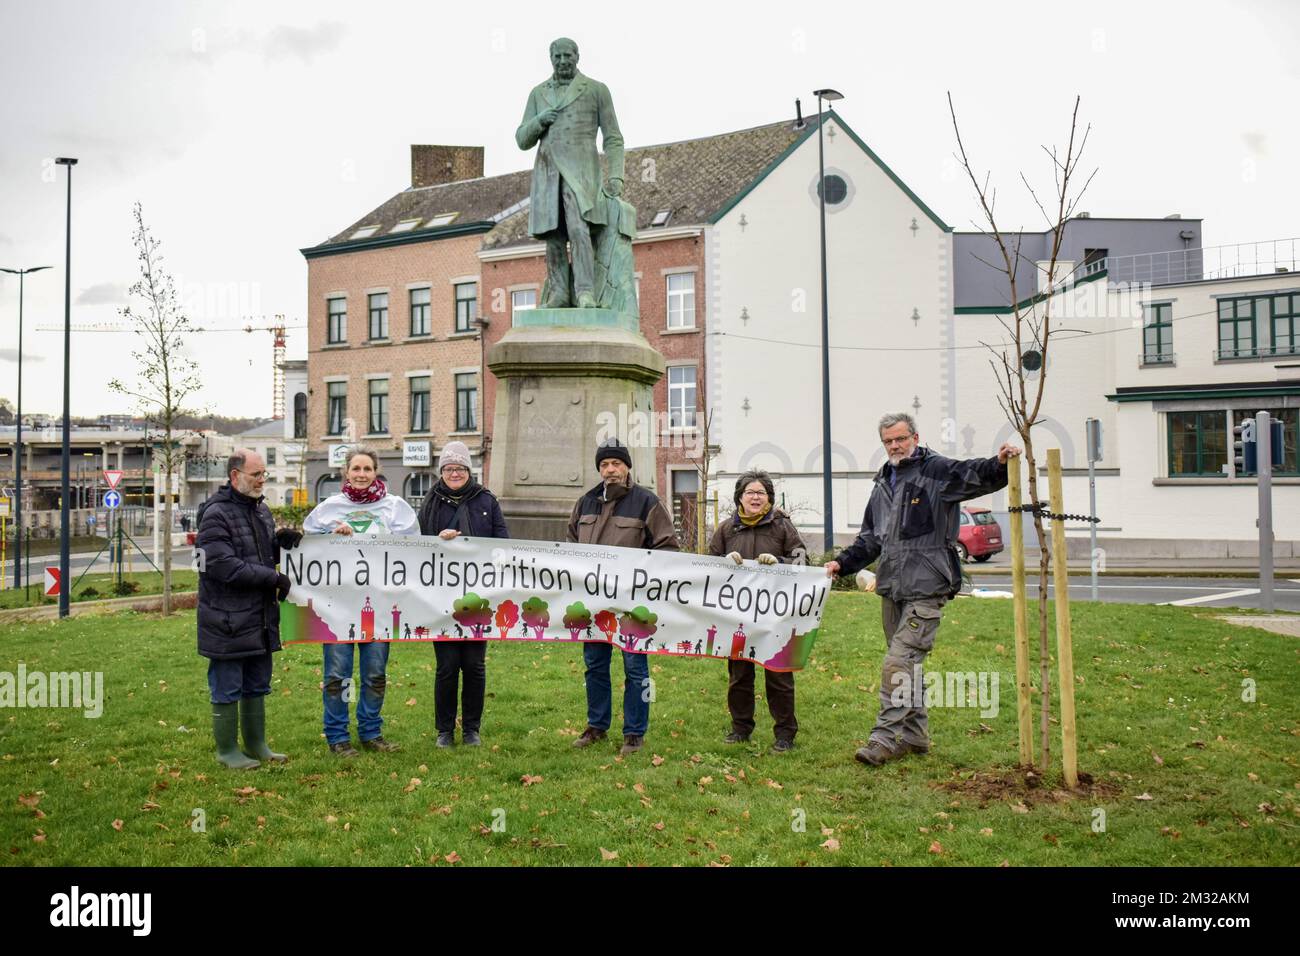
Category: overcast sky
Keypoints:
(251, 130)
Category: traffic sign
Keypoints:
(51, 581)
(112, 476)
(112, 499)
(4, 507)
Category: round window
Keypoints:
(835, 189)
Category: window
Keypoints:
(419, 403)
(521, 301)
(681, 301)
(1157, 334)
(378, 315)
(406, 225)
(300, 415)
(338, 321)
(1198, 444)
(466, 306)
(337, 409)
(378, 406)
(420, 324)
(466, 402)
(1094, 260)
(1285, 310)
(270, 455)
(1236, 328)
(443, 219)
(681, 396)
(686, 481)
(836, 189)
(365, 232)
(1290, 419)
(984, 517)
(418, 486)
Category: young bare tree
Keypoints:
(1030, 329)
(167, 376)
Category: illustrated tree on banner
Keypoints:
(537, 616)
(576, 618)
(474, 613)
(607, 623)
(637, 624)
(507, 617)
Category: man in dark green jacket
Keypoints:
(911, 525)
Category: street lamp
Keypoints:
(18, 441)
(829, 522)
(65, 563)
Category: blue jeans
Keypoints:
(340, 689)
(230, 680)
(636, 689)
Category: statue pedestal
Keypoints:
(566, 379)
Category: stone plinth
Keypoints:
(564, 375)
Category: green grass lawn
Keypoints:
(1185, 771)
(99, 587)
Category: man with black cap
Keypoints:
(622, 514)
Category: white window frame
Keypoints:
(679, 297)
(693, 408)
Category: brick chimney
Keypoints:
(438, 165)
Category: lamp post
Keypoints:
(828, 511)
(65, 563)
(18, 440)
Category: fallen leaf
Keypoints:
(986, 831)
(348, 825)
(1170, 832)
(639, 787)
(659, 826)
(936, 847)
(774, 785)
(999, 648)
(1050, 838)
(330, 818)
(705, 781)
(1144, 796)
(608, 854)
(410, 787)
(29, 799)
(528, 779)
(831, 844)
(39, 837)
(1266, 808)
(1158, 759)
(150, 805)
(246, 791)
(729, 778)
(828, 831)
(411, 702)
(452, 857)
(1254, 777)
(1019, 808)
(657, 760)
(117, 825)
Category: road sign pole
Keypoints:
(1264, 462)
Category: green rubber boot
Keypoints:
(252, 715)
(225, 728)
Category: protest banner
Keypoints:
(397, 589)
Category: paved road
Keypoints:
(1188, 592)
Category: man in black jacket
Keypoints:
(911, 524)
(238, 549)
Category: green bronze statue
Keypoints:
(567, 201)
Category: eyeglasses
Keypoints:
(895, 441)
(255, 475)
(756, 494)
(455, 470)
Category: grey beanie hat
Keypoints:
(453, 453)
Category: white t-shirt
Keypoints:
(389, 515)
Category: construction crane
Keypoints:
(279, 338)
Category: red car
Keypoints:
(980, 536)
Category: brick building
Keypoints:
(454, 231)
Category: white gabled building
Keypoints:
(889, 267)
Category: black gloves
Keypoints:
(282, 585)
(287, 538)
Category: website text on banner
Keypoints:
(387, 588)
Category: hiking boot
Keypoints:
(876, 754)
(471, 738)
(379, 743)
(446, 739)
(735, 737)
(631, 744)
(252, 718)
(225, 729)
(782, 744)
(589, 737)
(344, 748)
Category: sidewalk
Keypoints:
(1000, 564)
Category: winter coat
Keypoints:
(437, 513)
(913, 526)
(773, 534)
(389, 515)
(627, 516)
(238, 614)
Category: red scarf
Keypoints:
(365, 496)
